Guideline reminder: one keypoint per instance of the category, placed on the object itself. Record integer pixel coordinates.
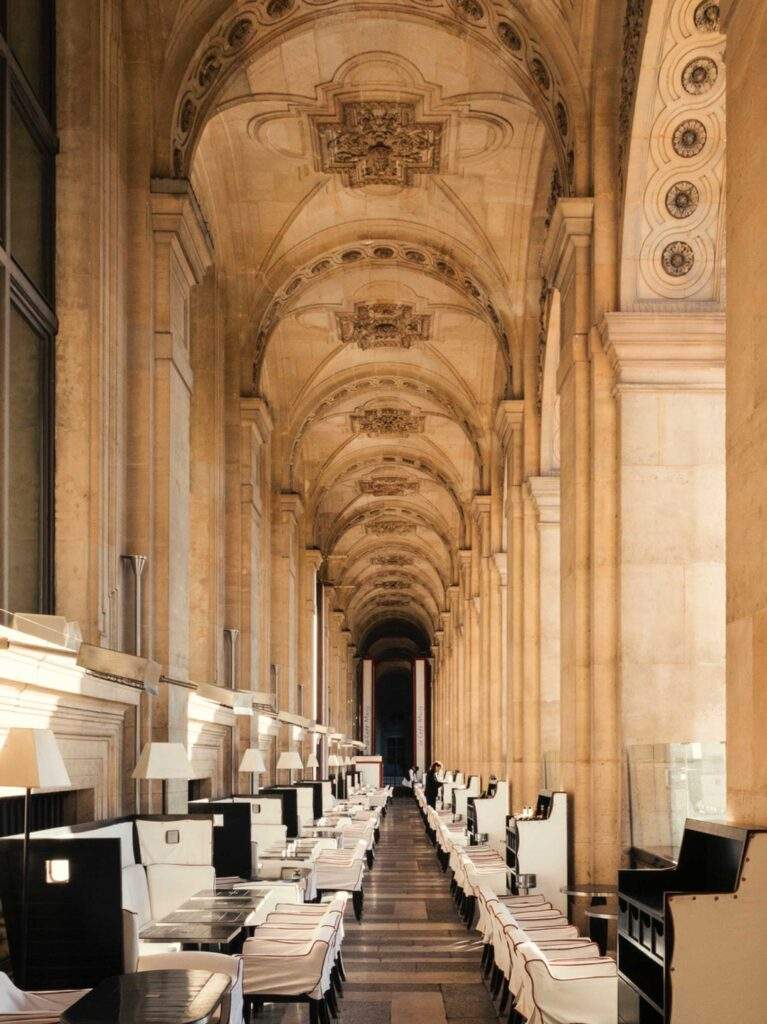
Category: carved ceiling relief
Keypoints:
(378, 142)
(386, 527)
(383, 325)
(391, 560)
(439, 264)
(676, 161)
(373, 145)
(389, 486)
(387, 420)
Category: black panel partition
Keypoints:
(231, 838)
(289, 798)
(75, 935)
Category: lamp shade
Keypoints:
(312, 762)
(163, 761)
(252, 761)
(289, 759)
(31, 759)
(334, 761)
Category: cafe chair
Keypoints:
(289, 971)
(218, 963)
(563, 991)
(34, 1007)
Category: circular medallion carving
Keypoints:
(209, 69)
(707, 16)
(322, 265)
(351, 256)
(689, 138)
(563, 123)
(472, 288)
(295, 283)
(540, 73)
(677, 259)
(444, 268)
(383, 252)
(239, 33)
(509, 36)
(414, 256)
(699, 75)
(186, 116)
(682, 199)
(276, 8)
(471, 9)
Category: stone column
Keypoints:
(500, 691)
(481, 507)
(544, 494)
(509, 425)
(287, 512)
(181, 253)
(669, 385)
(247, 596)
(567, 266)
(745, 22)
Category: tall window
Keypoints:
(27, 319)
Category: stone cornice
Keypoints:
(290, 503)
(545, 495)
(480, 505)
(666, 351)
(255, 410)
(313, 558)
(509, 416)
(175, 210)
(571, 227)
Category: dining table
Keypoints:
(152, 997)
(212, 919)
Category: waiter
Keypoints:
(431, 787)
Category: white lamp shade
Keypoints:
(252, 761)
(163, 761)
(31, 759)
(312, 762)
(289, 759)
(334, 761)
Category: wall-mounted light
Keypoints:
(57, 872)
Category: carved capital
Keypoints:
(673, 351)
(544, 493)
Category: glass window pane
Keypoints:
(29, 36)
(25, 461)
(29, 205)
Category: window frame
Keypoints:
(36, 306)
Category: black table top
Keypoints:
(203, 915)
(151, 997)
(191, 932)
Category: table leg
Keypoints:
(598, 927)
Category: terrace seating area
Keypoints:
(156, 895)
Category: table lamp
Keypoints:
(253, 762)
(289, 760)
(30, 759)
(163, 761)
(312, 762)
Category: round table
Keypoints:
(599, 920)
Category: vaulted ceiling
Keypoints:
(372, 175)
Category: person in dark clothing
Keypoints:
(432, 784)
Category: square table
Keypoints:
(151, 997)
(216, 937)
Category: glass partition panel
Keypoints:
(669, 782)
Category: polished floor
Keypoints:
(410, 961)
